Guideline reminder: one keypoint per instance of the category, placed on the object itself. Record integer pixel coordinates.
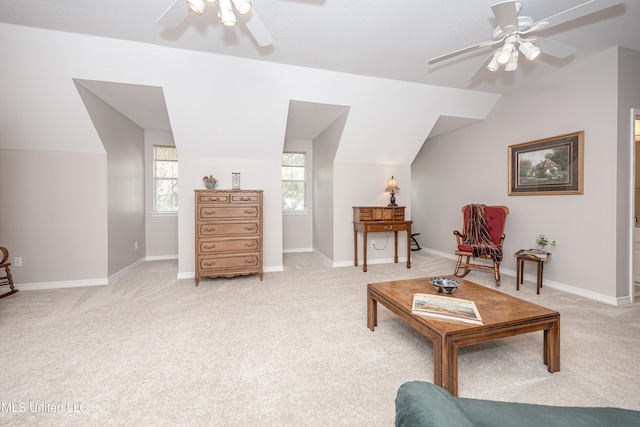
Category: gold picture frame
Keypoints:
(547, 166)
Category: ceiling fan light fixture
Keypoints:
(227, 16)
(242, 6)
(211, 1)
(493, 64)
(529, 50)
(197, 6)
(505, 54)
(512, 65)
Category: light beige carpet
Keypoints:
(293, 350)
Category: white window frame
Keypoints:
(303, 181)
(156, 178)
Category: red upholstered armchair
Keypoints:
(495, 217)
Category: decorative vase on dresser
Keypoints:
(228, 233)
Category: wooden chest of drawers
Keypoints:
(228, 233)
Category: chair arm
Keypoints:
(459, 237)
(501, 241)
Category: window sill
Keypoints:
(164, 214)
(298, 212)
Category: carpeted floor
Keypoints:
(293, 350)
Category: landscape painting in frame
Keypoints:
(547, 166)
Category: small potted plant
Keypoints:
(542, 241)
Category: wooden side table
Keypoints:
(522, 256)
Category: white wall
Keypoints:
(237, 115)
(297, 227)
(263, 175)
(124, 143)
(470, 166)
(367, 184)
(161, 228)
(53, 214)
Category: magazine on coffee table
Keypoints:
(446, 308)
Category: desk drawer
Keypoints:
(386, 227)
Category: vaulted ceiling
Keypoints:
(391, 40)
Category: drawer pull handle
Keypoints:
(250, 212)
(210, 229)
(209, 246)
(388, 227)
(208, 264)
(209, 212)
(249, 245)
(251, 228)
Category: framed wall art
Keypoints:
(547, 166)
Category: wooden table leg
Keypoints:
(395, 241)
(539, 277)
(551, 347)
(449, 366)
(437, 361)
(519, 263)
(364, 248)
(372, 311)
(355, 248)
(409, 246)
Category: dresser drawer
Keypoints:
(245, 197)
(211, 197)
(245, 228)
(210, 246)
(209, 263)
(227, 211)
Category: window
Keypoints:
(165, 179)
(293, 181)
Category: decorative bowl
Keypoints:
(444, 284)
(210, 184)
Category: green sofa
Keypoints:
(422, 404)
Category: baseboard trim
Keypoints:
(63, 284)
(551, 284)
(161, 257)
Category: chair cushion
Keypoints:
(495, 217)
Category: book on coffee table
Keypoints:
(446, 308)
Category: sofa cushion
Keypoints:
(487, 413)
(421, 404)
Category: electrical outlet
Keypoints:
(373, 243)
(135, 246)
(17, 261)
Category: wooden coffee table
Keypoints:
(502, 314)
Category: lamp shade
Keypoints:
(505, 53)
(512, 65)
(529, 50)
(197, 6)
(493, 64)
(227, 16)
(393, 185)
(242, 6)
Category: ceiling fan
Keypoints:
(179, 9)
(513, 34)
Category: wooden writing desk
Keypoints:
(374, 219)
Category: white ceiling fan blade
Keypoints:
(507, 15)
(174, 15)
(258, 30)
(464, 50)
(554, 48)
(576, 12)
